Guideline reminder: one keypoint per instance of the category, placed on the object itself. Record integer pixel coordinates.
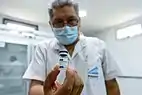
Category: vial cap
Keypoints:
(63, 51)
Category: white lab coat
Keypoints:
(90, 58)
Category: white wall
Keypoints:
(42, 27)
(126, 52)
(0, 19)
(130, 86)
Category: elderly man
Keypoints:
(94, 70)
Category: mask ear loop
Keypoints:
(51, 26)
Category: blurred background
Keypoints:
(24, 23)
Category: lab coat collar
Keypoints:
(81, 44)
(57, 46)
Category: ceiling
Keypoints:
(100, 13)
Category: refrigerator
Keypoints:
(13, 63)
(16, 52)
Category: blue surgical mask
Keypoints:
(66, 35)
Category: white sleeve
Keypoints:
(36, 69)
(110, 67)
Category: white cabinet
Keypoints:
(16, 51)
(13, 63)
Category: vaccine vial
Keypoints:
(63, 64)
(63, 60)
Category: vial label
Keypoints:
(61, 77)
(63, 63)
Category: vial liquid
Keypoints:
(63, 63)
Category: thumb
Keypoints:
(68, 84)
(51, 78)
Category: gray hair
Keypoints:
(61, 3)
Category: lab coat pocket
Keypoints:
(93, 76)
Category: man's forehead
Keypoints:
(64, 12)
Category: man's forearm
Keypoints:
(36, 90)
(113, 91)
(112, 87)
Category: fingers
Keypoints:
(57, 85)
(78, 85)
(80, 88)
(68, 83)
(50, 80)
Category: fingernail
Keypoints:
(55, 68)
(71, 69)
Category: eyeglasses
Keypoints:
(59, 23)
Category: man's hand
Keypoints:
(72, 85)
(78, 85)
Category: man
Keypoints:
(93, 66)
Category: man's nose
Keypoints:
(65, 23)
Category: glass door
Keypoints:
(13, 63)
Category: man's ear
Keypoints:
(79, 23)
(51, 25)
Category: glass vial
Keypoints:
(63, 63)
